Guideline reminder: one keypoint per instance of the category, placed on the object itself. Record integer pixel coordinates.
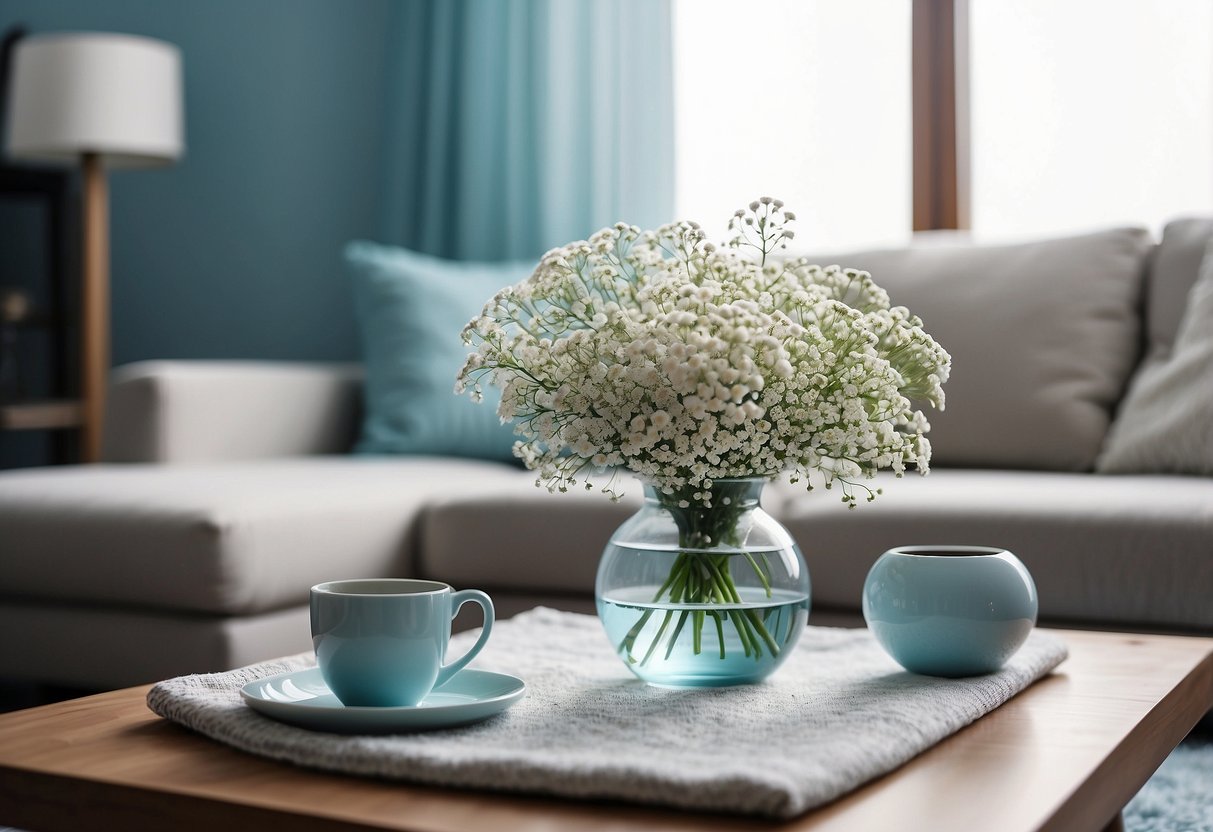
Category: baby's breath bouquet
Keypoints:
(687, 364)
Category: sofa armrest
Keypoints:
(205, 411)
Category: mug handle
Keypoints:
(457, 601)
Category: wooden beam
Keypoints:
(939, 59)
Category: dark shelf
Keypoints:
(38, 320)
(44, 197)
(51, 414)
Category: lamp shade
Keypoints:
(115, 95)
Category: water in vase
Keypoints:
(698, 645)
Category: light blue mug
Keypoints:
(382, 642)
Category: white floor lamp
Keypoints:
(103, 100)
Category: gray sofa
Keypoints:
(228, 489)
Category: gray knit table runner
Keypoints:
(837, 714)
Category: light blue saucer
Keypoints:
(302, 698)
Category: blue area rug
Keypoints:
(1179, 797)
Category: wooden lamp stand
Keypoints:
(94, 307)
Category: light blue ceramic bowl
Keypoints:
(949, 610)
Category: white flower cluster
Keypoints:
(662, 354)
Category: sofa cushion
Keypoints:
(412, 310)
(1172, 273)
(1165, 425)
(521, 537)
(211, 411)
(234, 538)
(100, 648)
(1132, 550)
(1043, 337)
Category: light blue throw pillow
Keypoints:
(411, 310)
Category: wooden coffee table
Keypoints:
(1066, 754)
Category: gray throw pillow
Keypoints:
(1043, 338)
(1165, 425)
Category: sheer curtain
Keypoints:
(518, 125)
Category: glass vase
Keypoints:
(703, 594)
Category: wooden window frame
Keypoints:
(939, 114)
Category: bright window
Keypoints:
(1089, 113)
(805, 101)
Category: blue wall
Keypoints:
(235, 251)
